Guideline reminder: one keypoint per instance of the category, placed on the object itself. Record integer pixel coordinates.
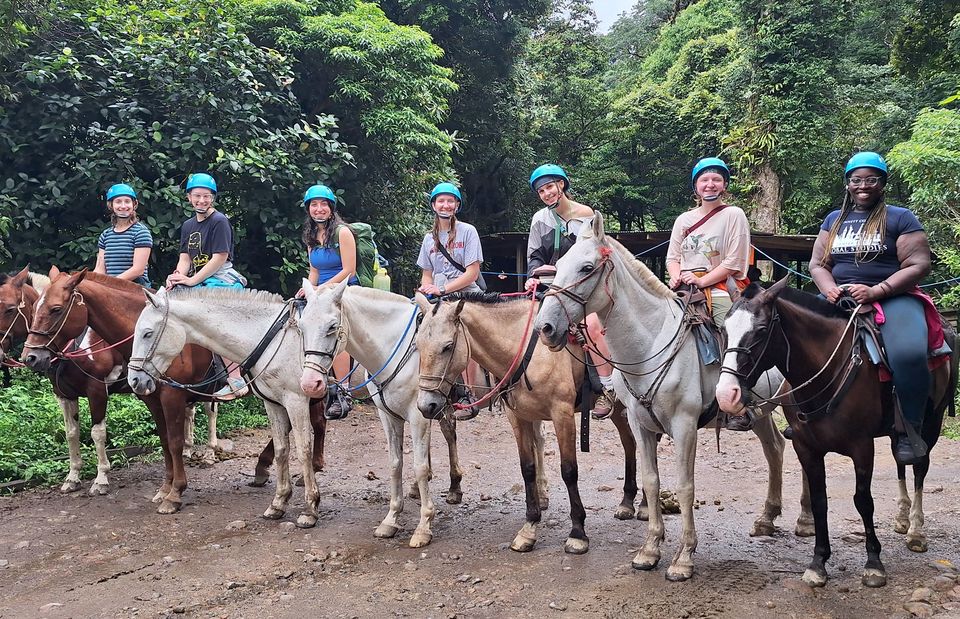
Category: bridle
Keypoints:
(338, 346)
(442, 379)
(602, 267)
(139, 364)
(13, 323)
(748, 350)
(76, 299)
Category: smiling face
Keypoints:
(123, 207)
(445, 206)
(201, 199)
(710, 185)
(865, 186)
(550, 193)
(320, 209)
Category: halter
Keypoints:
(338, 346)
(13, 322)
(58, 326)
(442, 378)
(138, 364)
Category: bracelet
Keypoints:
(889, 287)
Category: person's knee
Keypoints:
(594, 328)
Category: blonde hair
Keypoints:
(451, 237)
(875, 227)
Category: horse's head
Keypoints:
(14, 312)
(59, 317)
(324, 335)
(581, 272)
(444, 353)
(157, 339)
(754, 344)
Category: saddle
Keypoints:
(706, 333)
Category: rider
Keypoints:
(206, 254)
(879, 253)
(123, 249)
(710, 243)
(451, 241)
(332, 251)
(553, 231)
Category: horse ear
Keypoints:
(338, 291)
(20, 278)
(153, 299)
(307, 288)
(732, 289)
(423, 303)
(54, 273)
(775, 290)
(598, 226)
(76, 278)
(459, 308)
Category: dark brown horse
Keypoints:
(110, 306)
(833, 413)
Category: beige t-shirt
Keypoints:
(724, 240)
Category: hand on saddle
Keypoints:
(688, 277)
(860, 293)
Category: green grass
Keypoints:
(33, 441)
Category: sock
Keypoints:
(607, 382)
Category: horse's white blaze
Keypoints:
(737, 324)
(114, 373)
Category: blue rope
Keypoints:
(396, 348)
(780, 264)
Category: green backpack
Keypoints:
(366, 252)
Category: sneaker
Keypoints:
(338, 403)
(604, 406)
(739, 423)
(465, 397)
(235, 388)
(905, 452)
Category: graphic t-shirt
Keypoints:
(202, 239)
(881, 260)
(118, 247)
(466, 250)
(724, 240)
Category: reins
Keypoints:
(57, 328)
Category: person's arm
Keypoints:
(736, 253)
(913, 252)
(313, 278)
(674, 254)
(426, 283)
(467, 278)
(101, 266)
(715, 276)
(179, 275)
(140, 257)
(823, 273)
(348, 257)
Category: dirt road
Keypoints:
(113, 556)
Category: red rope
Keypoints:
(12, 363)
(90, 350)
(513, 365)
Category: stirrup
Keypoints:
(235, 388)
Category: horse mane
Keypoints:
(113, 282)
(227, 294)
(814, 303)
(37, 280)
(650, 281)
(480, 296)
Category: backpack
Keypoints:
(366, 251)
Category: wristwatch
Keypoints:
(443, 290)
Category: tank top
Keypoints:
(327, 262)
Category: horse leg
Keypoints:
(812, 463)
(543, 487)
(174, 405)
(566, 430)
(685, 439)
(420, 435)
(280, 428)
(524, 432)
(212, 409)
(449, 429)
(189, 416)
(97, 398)
(805, 525)
(71, 423)
(916, 538)
(319, 424)
(393, 428)
(773, 443)
(626, 511)
(156, 410)
(649, 555)
(874, 574)
(303, 436)
(901, 522)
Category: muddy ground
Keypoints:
(113, 556)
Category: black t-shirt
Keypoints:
(883, 261)
(202, 239)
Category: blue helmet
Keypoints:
(320, 192)
(201, 180)
(445, 188)
(710, 163)
(866, 159)
(121, 189)
(547, 173)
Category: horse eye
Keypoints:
(55, 309)
(147, 334)
(9, 310)
(447, 347)
(587, 268)
(332, 330)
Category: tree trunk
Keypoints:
(766, 210)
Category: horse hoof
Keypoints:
(259, 481)
(805, 529)
(813, 578)
(99, 490)
(624, 513)
(645, 562)
(386, 531)
(522, 544)
(676, 573)
(273, 513)
(917, 544)
(454, 497)
(70, 486)
(901, 526)
(168, 507)
(306, 521)
(158, 497)
(419, 540)
(414, 493)
(874, 578)
(576, 546)
(643, 514)
(763, 529)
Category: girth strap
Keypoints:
(521, 371)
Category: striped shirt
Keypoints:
(118, 247)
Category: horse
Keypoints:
(239, 324)
(110, 306)
(658, 376)
(835, 413)
(493, 330)
(90, 371)
(377, 328)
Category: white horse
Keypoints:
(660, 378)
(232, 323)
(378, 328)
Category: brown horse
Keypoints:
(111, 306)
(841, 405)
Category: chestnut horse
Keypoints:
(111, 306)
(841, 405)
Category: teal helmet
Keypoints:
(445, 188)
(547, 173)
(320, 192)
(866, 159)
(710, 163)
(203, 181)
(120, 189)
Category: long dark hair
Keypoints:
(311, 228)
(876, 225)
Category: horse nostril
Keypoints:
(547, 328)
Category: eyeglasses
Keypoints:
(869, 181)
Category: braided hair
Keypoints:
(875, 227)
(451, 236)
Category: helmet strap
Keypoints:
(710, 197)
(317, 220)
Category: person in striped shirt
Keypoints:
(124, 247)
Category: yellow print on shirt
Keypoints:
(701, 244)
(201, 259)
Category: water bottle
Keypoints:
(381, 281)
